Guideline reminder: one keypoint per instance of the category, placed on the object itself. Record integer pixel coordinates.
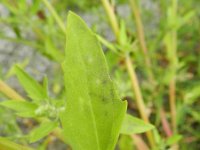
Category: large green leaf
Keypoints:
(94, 112)
(132, 125)
(31, 86)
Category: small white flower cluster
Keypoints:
(49, 111)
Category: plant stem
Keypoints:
(174, 61)
(139, 143)
(9, 92)
(139, 98)
(165, 124)
(136, 89)
(172, 102)
(55, 15)
(112, 18)
(141, 37)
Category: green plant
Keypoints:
(91, 114)
(153, 59)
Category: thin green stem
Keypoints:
(141, 37)
(55, 15)
(172, 102)
(112, 18)
(139, 98)
(173, 63)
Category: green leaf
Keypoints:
(108, 44)
(173, 139)
(35, 6)
(6, 144)
(186, 18)
(32, 87)
(52, 51)
(23, 108)
(123, 36)
(22, 64)
(132, 125)
(94, 113)
(192, 94)
(43, 130)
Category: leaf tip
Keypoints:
(72, 15)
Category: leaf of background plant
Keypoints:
(35, 6)
(173, 139)
(94, 112)
(192, 94)
(108, 44)
(43, 130)
(133, 125)
(52, 51)
(20, 106)
(185, 18)
(123, 36)
(6, 144)
(34, 90)
(22, 65)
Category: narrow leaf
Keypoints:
(132, 125)
(94, 113)
(43, 130)
(106, 43)
(174, 139)
(186, 18)
(192, 94)
(32, 87)
(123, 36)
(20, 106)
(6, 144)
